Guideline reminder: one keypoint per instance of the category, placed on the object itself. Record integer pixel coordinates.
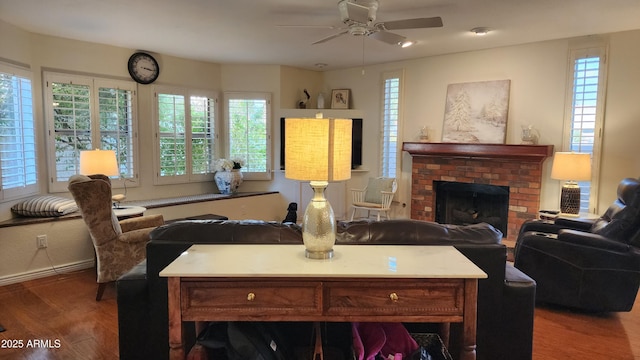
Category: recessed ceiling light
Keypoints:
(480, 31)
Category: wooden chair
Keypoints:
(119, 245)
(377, 197)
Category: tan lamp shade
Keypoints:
(98, 162)
(318, 149)
(571, 166)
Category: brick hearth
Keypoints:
(517, 166)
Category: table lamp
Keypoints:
(572, 167)
(101, 162)
(318, 150)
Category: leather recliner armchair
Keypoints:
(592, 265)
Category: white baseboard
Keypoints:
(42, 273)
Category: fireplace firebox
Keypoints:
(461, 203)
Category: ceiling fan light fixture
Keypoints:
(406, 43)
(320, 65)
(480, 31)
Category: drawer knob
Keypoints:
(393, 297)
(251, 296)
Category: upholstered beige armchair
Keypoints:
(377, 197)
(119, 245)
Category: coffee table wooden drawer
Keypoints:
(394, 298)
(250, 298)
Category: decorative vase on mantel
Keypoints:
(228, 181)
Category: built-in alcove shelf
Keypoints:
(327, 113)
(480, 151)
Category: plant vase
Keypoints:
(228, 181)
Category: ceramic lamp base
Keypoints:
(570, 199)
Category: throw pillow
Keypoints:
(45, 206)
(375, 186)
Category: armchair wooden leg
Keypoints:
(101, 287)
(353, 213)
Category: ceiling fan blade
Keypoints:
(419, 23)
(388, 37)
(330, 37)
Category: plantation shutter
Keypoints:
(18, 163)
(202, 134)
(248, 132)
(116, 126)
(390, 125)
(71, 106)
(584, 122)
(172, 136)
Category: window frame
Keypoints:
(576, 53)
(188, 176)
(26, 189)
(225, 139)
(94, 83)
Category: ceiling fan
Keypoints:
(359, 17)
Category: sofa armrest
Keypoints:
(141, 222)
(592, 240)
(133, 312)
(518, 313)
(583, 224)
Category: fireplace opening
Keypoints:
(461, 203)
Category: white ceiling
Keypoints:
(247, 31)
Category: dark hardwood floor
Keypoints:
(58, 318)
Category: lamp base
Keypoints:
(319, 225)
(570, 199)
(321, 255)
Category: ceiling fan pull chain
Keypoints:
(362, 55)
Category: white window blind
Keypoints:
(390, 124)
(18, 163)
(584, 123)
(185, 121)
(87, 113)
(248, 132)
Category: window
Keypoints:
(18, 163)
(583, 122)
(185, 121)
(85, 113)
(392, 85)
(248, 132)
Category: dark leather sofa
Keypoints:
(587, 264)
(505, 298)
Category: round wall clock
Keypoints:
(143, 68)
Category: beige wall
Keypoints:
(537, 72)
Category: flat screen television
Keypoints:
(356, 143)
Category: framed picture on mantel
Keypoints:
(340, 98)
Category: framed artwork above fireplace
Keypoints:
(476, 112)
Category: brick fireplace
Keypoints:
(518, 167)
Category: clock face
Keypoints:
(143, 68)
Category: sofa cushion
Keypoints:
(415, 232)
(228, 232)
(374, 188)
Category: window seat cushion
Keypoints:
(45, 206)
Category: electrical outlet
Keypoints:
(41, 241)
